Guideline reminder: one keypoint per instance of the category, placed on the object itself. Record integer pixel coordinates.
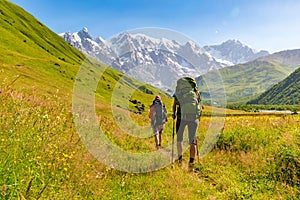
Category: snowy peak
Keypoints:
(192, 47)
(84, 33)
(101, 41)
(141, 41)
(79, 39)
(233, 42)
(234, 51)
(84, 42)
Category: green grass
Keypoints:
(43, 157)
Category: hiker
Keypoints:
(187, 109)
(158, 116)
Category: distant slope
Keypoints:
(286, 92)
(245, 81)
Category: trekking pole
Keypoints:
(196, 138)
(197, 151)
(173, 140)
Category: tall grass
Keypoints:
(37, 142)
(262, 155)
(42, 157)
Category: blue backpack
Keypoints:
(160, 112)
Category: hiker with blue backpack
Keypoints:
(158, 116)
(187, 109)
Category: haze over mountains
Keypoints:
(160, 62)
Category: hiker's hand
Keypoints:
(174, 116)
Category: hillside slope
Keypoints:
(286, 92)
(245, 81)
(30, 51)
(32, 56)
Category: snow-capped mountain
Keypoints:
(83, 41)
(159, 62)
(234, 51)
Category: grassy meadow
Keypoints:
(42, 157)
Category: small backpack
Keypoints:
(189, 98)
(159, 112)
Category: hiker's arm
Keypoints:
(174, 108)
(166, 113)
(200, 100)
(151, 112)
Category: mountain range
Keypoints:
(160, 61)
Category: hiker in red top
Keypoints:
(158, 116)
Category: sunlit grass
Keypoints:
(42, 156)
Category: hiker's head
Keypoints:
(157, 97)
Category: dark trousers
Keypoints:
(192, 128)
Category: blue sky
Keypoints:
(271, 25)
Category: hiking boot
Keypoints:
(179, 162)
(191, 167)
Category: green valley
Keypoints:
(286, 92)
(246, 81)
